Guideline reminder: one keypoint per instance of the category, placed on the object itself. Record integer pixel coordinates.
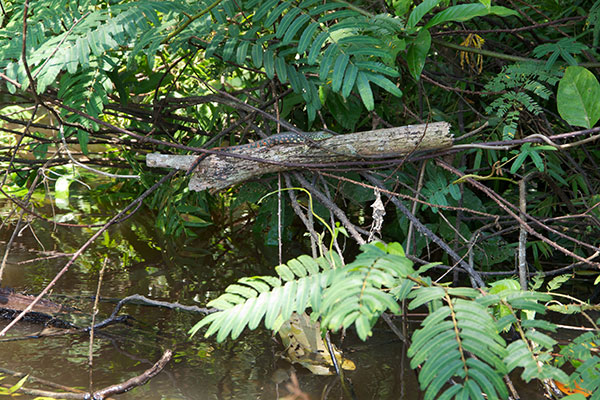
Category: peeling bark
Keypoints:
(221, 169)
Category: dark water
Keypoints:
(139, 261)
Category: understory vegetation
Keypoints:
(496, 238)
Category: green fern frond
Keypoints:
(565, 48)
(54, 48)
(341, 296)
(447, 341)
(534, 361)
(362, 295)
(343, 42)
(587, 377)
(515, 76)
(88, 91)
(299, 285)
(581, 354)
(519, 81)
(533, 352)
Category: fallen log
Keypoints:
(222, 168)
(43, 312)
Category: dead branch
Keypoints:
(225, 168)
(139, 299)
(118, 388)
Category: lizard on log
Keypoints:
(286, 151)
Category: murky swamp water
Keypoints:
(138, 262)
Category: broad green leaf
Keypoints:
(473, 390)
(259, 310)
(205, 321)
(315, 48)
(464, 12)
(324, 8)
(276, 13)
(271, 280)
(229, 47)
(297, 268)
(226, 301)
(269, 64)
(359, 52)
(294, 28)
(446, 372)
(228, 324)
(264, 9)
(417, 53)
(363, 327)
(444, 340)
(504, 286)
(303, 293)
(243, 317)
(273, 307)
(537, 160)
(339, 15)
(488, 379)
(242, 51)
(424, 335)
(486, 3)
(244, 291)
(450, 392)
(437, 316)
(350, 318)
(364, 90)
(478, 349)
(309, 263)
(523, 304)
(349, 80)
(467, 292)
(503, 11)
(306, 37)
(385, 83)
(578, 97)
(255, 283)
(432, 366)
(288, 18)
(285, 272)
(518, 355)
(379, 300)
(425, 295)
(376, 67)
(419, 11)
(351, 286)
(343, 313)
(326, 62)
(281, 69)
(83, 138)
(520, 158)
(339, 69)
(461, 12)
(294, 77)
(288, 299)
(540, 338)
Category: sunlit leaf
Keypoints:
(578, 97)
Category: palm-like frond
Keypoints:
(311, 44)
(448, 340)
(340, 295)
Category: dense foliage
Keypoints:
(91, 87)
